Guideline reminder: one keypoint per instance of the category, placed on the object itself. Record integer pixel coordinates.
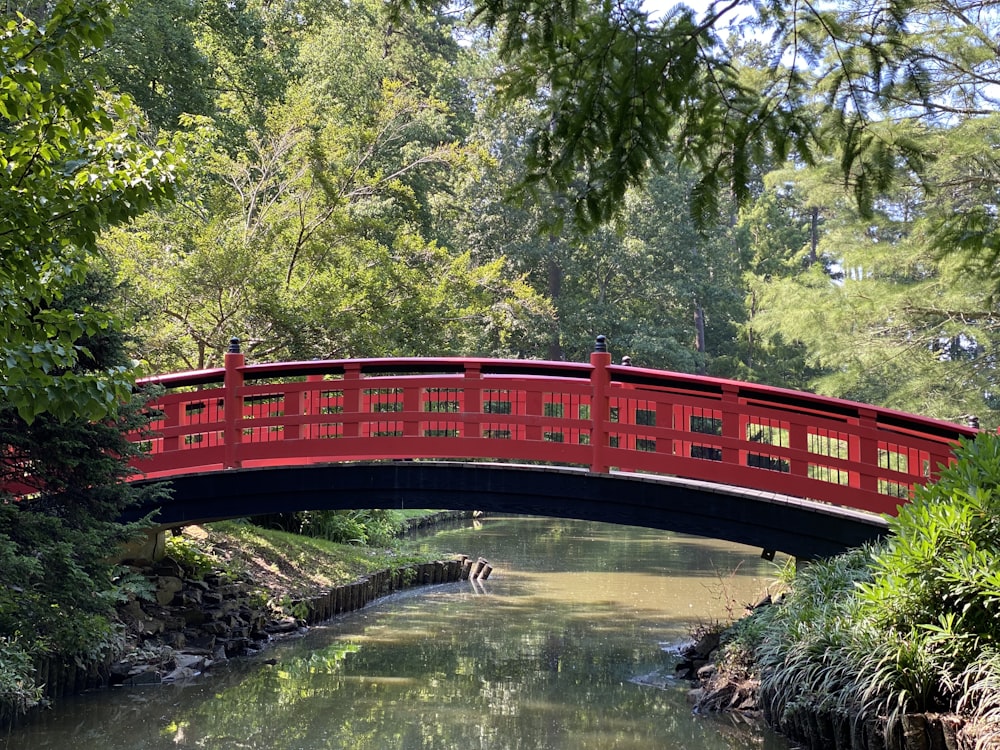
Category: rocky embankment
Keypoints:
(191, 621)
(717, 690)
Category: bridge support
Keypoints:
(798, 528)
(148, 548)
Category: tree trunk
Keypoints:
(813, 235)
(555, 287)
(699, 327)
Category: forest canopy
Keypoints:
(789, 193)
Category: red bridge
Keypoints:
(781, 469)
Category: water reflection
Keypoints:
(541, 656)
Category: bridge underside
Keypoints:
(803, 529)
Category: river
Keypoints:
(549, 653)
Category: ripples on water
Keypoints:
(542, 656)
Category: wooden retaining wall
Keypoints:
(355, 595)
(814, 729)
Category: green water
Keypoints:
(548, 654)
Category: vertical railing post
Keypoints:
(299, 407)
(351, 414)
(412, 409)
(472, 400)
(868, 457)
(233, 409)
(734, 427)
(172, 418)
(600, 406)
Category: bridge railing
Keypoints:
(595, 415)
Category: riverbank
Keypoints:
(731, 683)
(229, 589)
(895, 646)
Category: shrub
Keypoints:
(910, 625)
(197, 563)
(376, 528)
(18, 691)
(934, 597)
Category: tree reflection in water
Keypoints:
(541, 658)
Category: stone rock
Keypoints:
(187, 660)
(192, 615)
(179, 674)
(175, 639)
(149, 626)
(706, 671)
(166, 588)
(211, 598)
(118, 671)
(200, 643)
(142, 676)
(282, 625)
(236, 646)
(188, 597)
(231, 590)
(168, 566)
(706, 644)
(215, 627)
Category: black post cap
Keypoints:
(601, 345)
(234, 346)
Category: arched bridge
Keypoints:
(784, 470)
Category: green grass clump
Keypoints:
(911, 625)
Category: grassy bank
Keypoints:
(292, 565)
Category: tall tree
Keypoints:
(884, 317)
(153, 56)
(313, 239)
(58, 583)
(779, 234)
(619, 89)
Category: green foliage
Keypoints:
(878, 315)
(152, 55)
(70, 165)
(18, 691)
(980, 691)
(941, 567)
(198, 564)
(58, 583)
(374, 528)
(910, 625)
(804, 647)
(311, 231)
(618, 91)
